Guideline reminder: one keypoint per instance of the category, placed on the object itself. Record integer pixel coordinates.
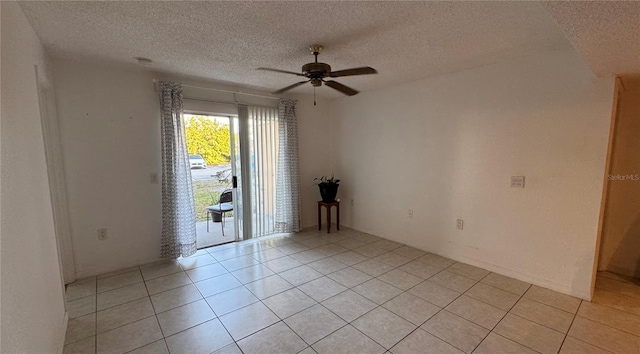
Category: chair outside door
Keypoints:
(224, 206)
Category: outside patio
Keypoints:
(208, 184)
(214, 235)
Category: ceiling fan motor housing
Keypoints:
(316, 70)
(316, 73)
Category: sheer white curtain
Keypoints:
(288, 175)
(259, 144)
(178, 209)
(269, 144)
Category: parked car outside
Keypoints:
(196, 161)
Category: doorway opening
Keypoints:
(618, 247)
(234, 166)
(210, 142)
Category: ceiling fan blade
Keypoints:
(340, 87)
(290, 87)
(280, 71)
(365, 70)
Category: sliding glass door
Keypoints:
(213, 160)
(237, 179)
(237, 154)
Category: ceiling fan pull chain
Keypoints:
(314, 95)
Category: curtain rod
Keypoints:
(155, 81)
(228, 102)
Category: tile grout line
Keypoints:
(435, 314)
(216, 318)
(96, 323)
(408, 334)
(542, 325)
(326, 256)
(582, 341)
(184, 304)
(125, 324)
(153, 307)
(301, 310)
(148, 296)
(444, 309)
(154, 314)
(492, 330)
(221, 323)
(513, 314)
(571, 325)
(619, 293)
(497, 323)
(606, 325)
(119, 287)
(403, 291)
(317, 303)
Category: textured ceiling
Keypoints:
(226, 41)
(605, 33)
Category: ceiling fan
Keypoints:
(317, 72)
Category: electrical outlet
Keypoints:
(153, 178)
(410, 213)
(459, 224)
(517, 181)
(102, 234)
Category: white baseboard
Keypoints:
(532, 279)
(63, 332)
(529, 278)
(113, 267)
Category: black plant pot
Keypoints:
(328, 192)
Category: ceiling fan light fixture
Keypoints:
(316, 49)
(316, 73)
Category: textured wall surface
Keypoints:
(446, 148)
(32, 292)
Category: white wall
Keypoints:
(33, 312)
(110, 132)
(314, 143)
(446, 148)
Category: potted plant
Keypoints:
(328, 188)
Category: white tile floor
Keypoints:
(344, 292)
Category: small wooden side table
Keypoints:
(328, 207)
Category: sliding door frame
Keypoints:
(245, 171)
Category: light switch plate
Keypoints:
(517, 181)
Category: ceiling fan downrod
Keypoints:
(315, 50)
